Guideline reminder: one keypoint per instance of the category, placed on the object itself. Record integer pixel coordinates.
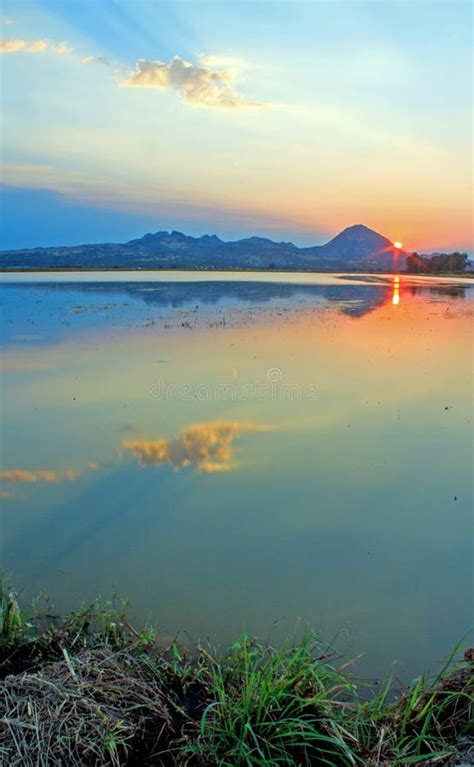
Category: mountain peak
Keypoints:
(359, 233)
(355, 247)
(359, 229)
(356, 243)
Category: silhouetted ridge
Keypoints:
(355, 247)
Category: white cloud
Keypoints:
(198, 84)
(12, 46)
(8, 20)
(212, 61)
(63, 48)
(38, 46)
(33, 46)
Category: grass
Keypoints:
(89, 689)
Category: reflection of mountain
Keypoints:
(355, 300)
(448, 291)
(357, 247)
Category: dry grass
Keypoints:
(96, 708)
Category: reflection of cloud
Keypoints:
(96, 465)
(198, 83)
(130, 427)
(44, 475)
(206, 445)
(47, 476)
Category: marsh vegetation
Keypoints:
(89, 689)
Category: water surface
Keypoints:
(232, 451)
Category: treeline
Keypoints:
(443, 262)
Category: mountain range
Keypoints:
(357, 247)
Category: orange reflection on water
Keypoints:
(396, 291)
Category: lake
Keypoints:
(257, 452)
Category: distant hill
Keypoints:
(354, 243)
(357, 247)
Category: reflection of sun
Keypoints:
(398, 244)
(396, 291)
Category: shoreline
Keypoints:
(114, 270)
(89, 689)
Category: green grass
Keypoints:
(274, 706)
(126, 702)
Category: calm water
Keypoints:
(232, 451)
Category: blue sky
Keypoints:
(286, 119)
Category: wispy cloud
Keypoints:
(199, 84)
(12, 46)
(156, 199)
(231, 63)
(62, 48)
(33, 46)
(208, 446)
(97, 60)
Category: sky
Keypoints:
(284, 119)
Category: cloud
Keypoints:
(33, 46)
(208, 446)
(152, 198)
(12, 46)
(96, 60)
(212, 61)
(199, 84)
(38, 46)
(8, 20)
(62, 48)
(28, 477)
(6, 494)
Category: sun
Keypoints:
(398, 245)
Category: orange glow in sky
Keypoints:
(226, 123)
